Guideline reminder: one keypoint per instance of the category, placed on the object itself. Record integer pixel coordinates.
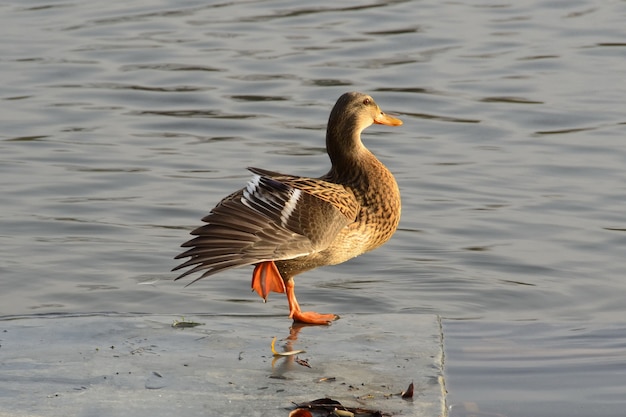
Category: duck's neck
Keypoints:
(343, 142)
(350, 159)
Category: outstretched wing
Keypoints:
(274, 217)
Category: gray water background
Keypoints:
(123, 122)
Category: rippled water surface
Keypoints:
(123, 122)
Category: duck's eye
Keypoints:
(367, 101)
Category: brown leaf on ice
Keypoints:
(302, 362)
(408, 394)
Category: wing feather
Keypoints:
(275, 217)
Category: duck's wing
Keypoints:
(337, 195)
(275, 217)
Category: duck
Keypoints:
(285, 225)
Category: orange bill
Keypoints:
(385, 119)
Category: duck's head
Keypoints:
(352, 113)
(360, 111)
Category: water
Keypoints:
(123, 123)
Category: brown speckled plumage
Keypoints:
(302, 223)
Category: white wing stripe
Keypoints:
(250, 189)
(290, 206)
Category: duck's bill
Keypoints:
(385, 119)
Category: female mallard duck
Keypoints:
(286, 224)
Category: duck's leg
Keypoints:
(309, 317)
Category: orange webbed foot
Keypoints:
(266, 278)
(307, 317)
(311, 317)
